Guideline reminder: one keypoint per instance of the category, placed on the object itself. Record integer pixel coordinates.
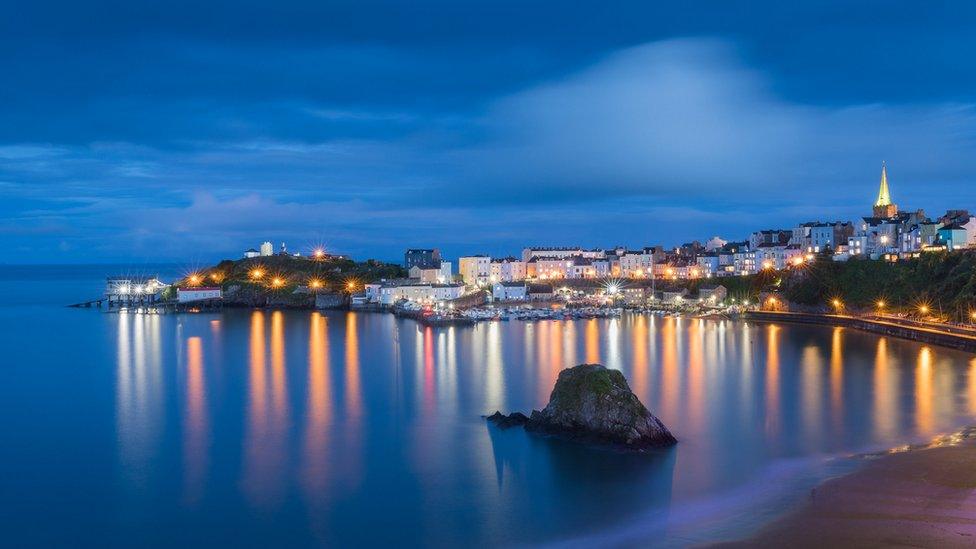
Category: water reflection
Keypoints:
(196, 423)
(923, 391)
(772, 380)
(386, 419)
(139, 393)
(319, 415)
(352, 393)
(265, 431)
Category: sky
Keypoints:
(190, 131)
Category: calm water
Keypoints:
(343, 429)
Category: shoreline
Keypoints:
(918, 496)
(954, 340)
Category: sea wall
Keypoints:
(912, 330)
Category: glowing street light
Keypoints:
(257, 274)
(924, 309)
(277, 282)
(194, 279)
(351, 285)
(881, 304)
(837, 304)
(315, 284)
(318, 253)
(215, 277)
(767, 265)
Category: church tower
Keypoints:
(883, 207)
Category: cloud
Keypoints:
(687, 118)
(660, 143)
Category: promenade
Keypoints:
(946, 335)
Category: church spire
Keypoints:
(884, 196)
(884, 208)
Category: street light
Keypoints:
(837, 304)
(924, 309)
(881, 304)
(257, 274)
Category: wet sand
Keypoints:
(917, 498)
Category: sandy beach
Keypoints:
(922, 497)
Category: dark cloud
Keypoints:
(159, 131)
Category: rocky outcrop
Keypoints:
(591, 403)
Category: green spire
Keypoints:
(884, 196)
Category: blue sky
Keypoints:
(140, 132)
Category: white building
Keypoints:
(508, 269)
(560, 253)
(474, 269)
(447, 271)
(251, 253)
(186, 295)
(133, 285)
(420, 293)
(267, 249)
(509, 291)
(636, 264)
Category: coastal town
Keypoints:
(717, 276)
(629, 276)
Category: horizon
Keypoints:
(189, 135)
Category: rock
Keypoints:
(591, 403)
(511, 420)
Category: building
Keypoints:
(251, 252)
(713, 294)
(883, 207)
(421, 257)
(777, 237)
(427, 294)
(186, 295)
(509, 291)
(267, 249)
(674, 297)
(506, 269)
(634, 264)
(539, 292)
(133, 285)
(474, 269)
(560, 253)
(953, 236)
(428, 274)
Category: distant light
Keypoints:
(315, 284)
(257, 274)
(194, 279)
(881, 304)
(319, 253)
(924, 309)
(277, 282)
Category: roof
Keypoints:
(539, 288)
